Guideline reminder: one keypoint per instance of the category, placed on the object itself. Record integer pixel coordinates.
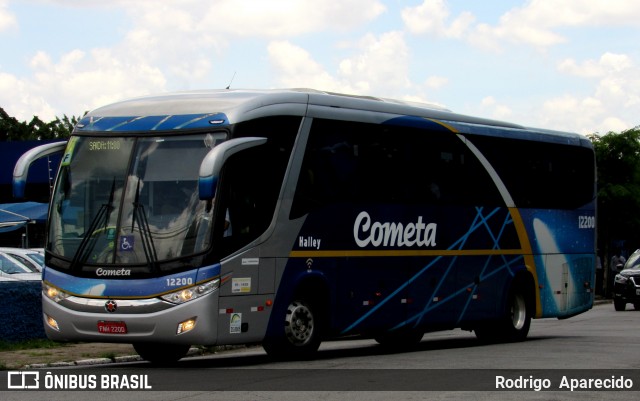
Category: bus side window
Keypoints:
(252, 180)
(539, 174)
(372, 163)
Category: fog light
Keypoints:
(187, 325)
(51, 322)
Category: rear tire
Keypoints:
(514, 325)
(300, 334)
(161, 354)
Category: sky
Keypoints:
(570, 65)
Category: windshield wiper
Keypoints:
(89, 240)
(140, 217)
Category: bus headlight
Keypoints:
(187, 294)
(53, 293)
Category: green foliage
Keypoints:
(30, 344)
(618, 160)
(13, 130)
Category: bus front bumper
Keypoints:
(132, 321)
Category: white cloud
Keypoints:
(7, 19)
(561, 13)
(76, 83)
(295, 67)
(495, 110)
(379, 65)
(272, 18)
(572, 113)
(431, 17)
(169, 46)
(615, 93)
(285, 18)
(536, 23)
(607, 64)
(436, 82)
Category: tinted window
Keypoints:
(357, 162)
(541, 174)
(253, 178)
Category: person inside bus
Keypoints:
(227, 221)
(227, 224)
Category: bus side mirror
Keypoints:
(214, 160)
(21, 170)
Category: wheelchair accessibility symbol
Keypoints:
(126, 243)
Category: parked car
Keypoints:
(626, 286)
(32, 258)
(12, 269)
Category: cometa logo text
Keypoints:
(118, 272)
(393, 234)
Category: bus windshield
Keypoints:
(130, 200)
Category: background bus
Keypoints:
(288, 217)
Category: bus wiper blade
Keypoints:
(89, 240)
(140, 217)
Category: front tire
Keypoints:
(161, 354)
(300, 334)
(619, 304)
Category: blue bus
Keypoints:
(287, 217)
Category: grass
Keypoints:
(30, 344)
(109, 355)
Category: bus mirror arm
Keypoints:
(21, 170)
(214, 160)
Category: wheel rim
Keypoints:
(299, 323)
(518, 312)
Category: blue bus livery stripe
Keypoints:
(419, 122)
(128, 288)
(492, 224)
(152, 123)
(403, 253)
(498, 263)
(455, 250)
(514, 212)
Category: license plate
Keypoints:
(638, 291)
(105, 327)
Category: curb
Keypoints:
(102, 361)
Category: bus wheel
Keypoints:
(161, 354)
(300, 337)
(513, 326)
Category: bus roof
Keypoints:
(207, 108)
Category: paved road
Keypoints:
(600, 340)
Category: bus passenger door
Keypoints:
(247, 287)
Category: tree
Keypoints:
(13, 130)
(618, 161)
